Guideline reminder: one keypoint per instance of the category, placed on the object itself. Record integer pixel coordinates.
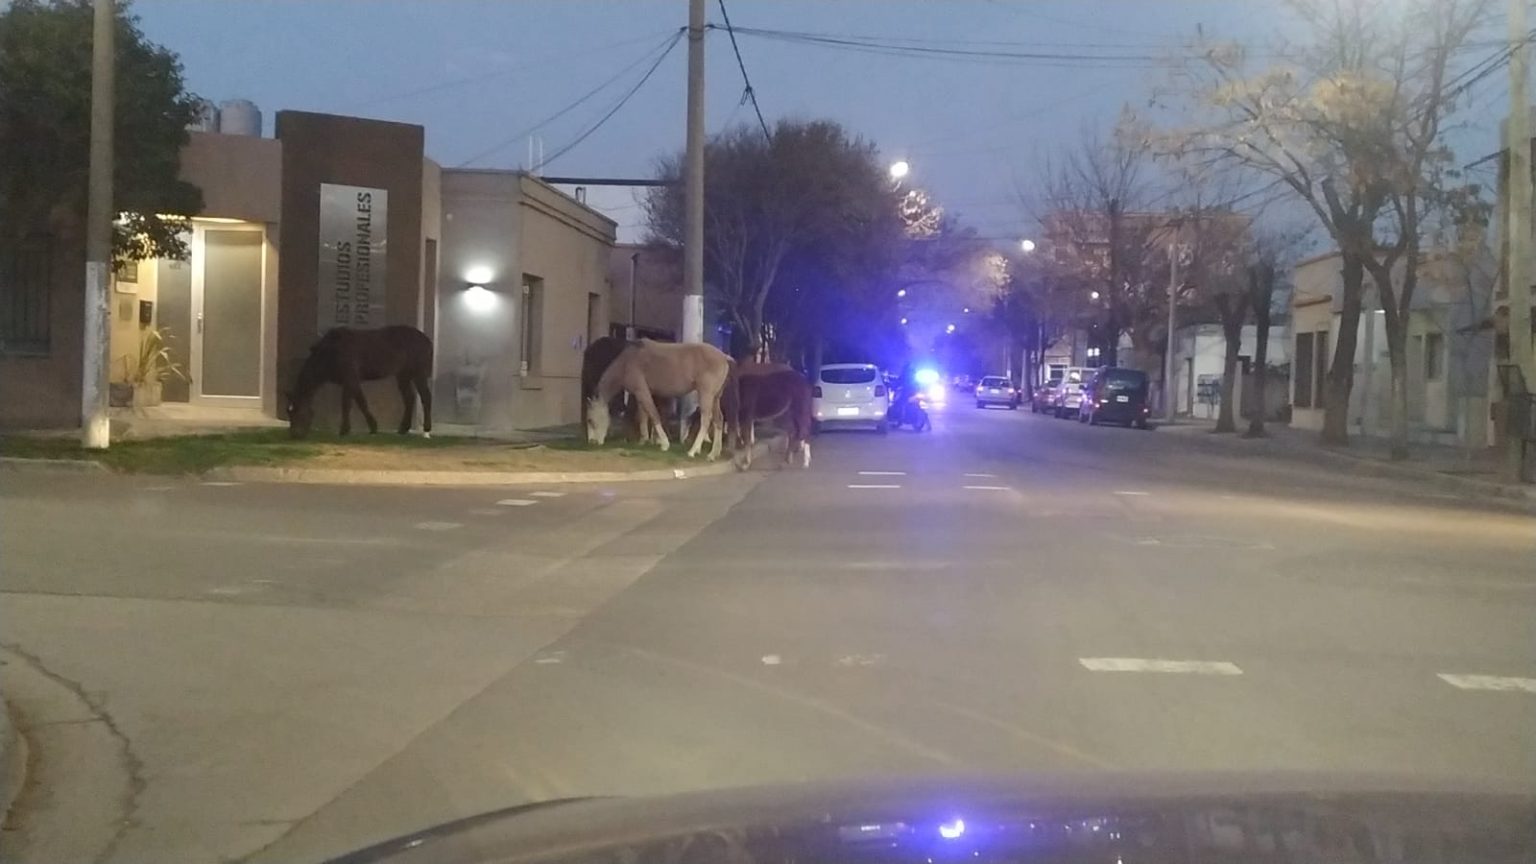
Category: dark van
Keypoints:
(1116, 395)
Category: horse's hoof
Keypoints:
(427, 435)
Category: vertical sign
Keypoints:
(353, 226)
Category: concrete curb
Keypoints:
(68, 466)
(1366, 465)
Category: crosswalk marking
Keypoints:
(1489, 682)
(1141, 664)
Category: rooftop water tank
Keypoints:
(239, 117)
(207, 119)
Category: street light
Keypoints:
(901, 293)
(1027, 245)
(1093, 295)
(900, 169)
(966, 310)
(903, 322)
(949, 328)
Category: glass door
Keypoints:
(226, 311)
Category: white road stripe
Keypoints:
(547, 494)
(438, 526)
(1139, 664)
(873, 486)
(981, 475)
(988, 488)
(220, 483)
(1488, 682)
(882, 473)
(516, 502)
(1130, 492)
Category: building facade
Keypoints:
(333, 221)
(1449, 358)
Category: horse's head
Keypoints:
(301, 415)
(598, 421)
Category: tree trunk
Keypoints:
(1397, 350)
(1263, 295)
(1232, 330)
(1341, 372)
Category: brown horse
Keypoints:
(649, 369)
(778, 394)
(595, 360)
(349, 357)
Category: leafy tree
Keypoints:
(1352, 124)
(801, 230)
(45, 108)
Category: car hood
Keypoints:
(1101, 818)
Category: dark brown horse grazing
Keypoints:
(783, 395)
(599, 355)
(349, 357)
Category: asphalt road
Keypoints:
(299, 670)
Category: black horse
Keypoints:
(349, 357)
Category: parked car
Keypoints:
(1043, 401)
(850, 394)
(996, 390)
(1116, 395)
(1069, 392)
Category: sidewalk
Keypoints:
(1474, 473)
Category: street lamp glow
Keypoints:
(901, 293)
(966, 310)
(900, 169)
(903, 322)
(1027, 245)
(1093, 295)
(949, 328)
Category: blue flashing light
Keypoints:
(926, 376)
(952, 830)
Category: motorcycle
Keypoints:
(910, 410)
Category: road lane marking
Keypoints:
(851, 660)
(157, 488)
(873, 486)
(882, 473)
(981, 475)
(772, 659)
(220, 483)
(987, 488)
(1141, 664)
(438, 526)
(1130, 492)
(1488, 682)
(516, 502)
(547, 494)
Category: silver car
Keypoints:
(997, 390)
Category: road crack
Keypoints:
(133, 767)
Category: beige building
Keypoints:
(334, 220)
(1450, 347)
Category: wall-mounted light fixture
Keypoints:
(479, 298)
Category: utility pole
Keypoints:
(634, 289)
(693, 178)
(1173, 293)
(1518, 238)
(95, 425)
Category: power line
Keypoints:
(451, 83)
(748, 93)
(899, 48)
(665, 47)
(623, 100)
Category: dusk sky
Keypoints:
(477, 72)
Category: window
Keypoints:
(532, 313)
(1302, 398)
(848, 375)
(1124, 379)
(1434, 356)
(1320, 365)
(26, 273)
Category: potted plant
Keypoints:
(146, 373)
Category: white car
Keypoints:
(850, 394)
